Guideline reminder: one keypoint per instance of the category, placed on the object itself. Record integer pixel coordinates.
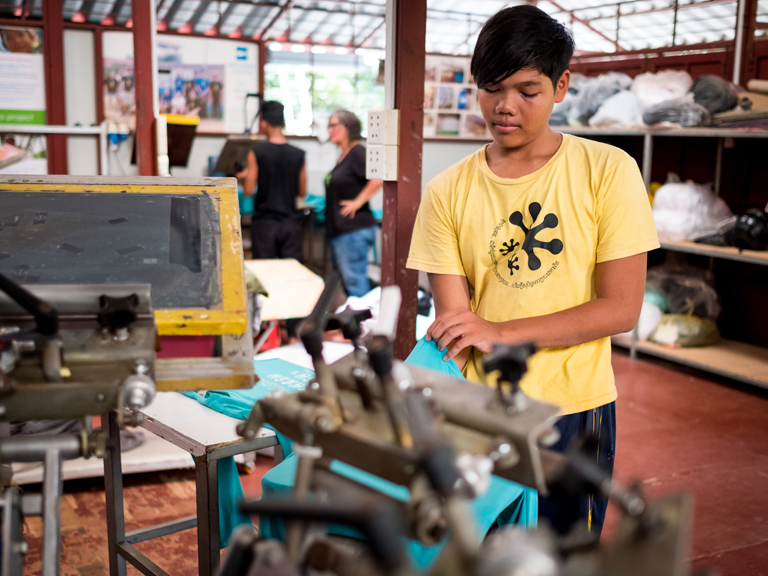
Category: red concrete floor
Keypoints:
(676, 431)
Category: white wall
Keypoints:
(80, 100)
(438, 156)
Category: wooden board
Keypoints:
(738, 360)
(293, 288)
(759, 257)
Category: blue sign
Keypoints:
(242, 53)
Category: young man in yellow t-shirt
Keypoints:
(539, 236)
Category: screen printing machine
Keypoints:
(95, 272)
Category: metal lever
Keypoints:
(380, 356)
(46, 316)
(512, 364)
(311, 333)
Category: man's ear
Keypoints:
(562, 86)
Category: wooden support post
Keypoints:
(401, 198)
(143, 13)
(56, 113)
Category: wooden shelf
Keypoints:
(729, 358)
(759, 257)
(672, 132)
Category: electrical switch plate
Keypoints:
(381, 162)
(384, 127)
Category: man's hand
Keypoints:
(350, 207)
(459, 328)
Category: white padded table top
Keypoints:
(189, 425)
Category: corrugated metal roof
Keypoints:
(452, 27)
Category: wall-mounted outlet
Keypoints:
(384, 127)
(381, 162)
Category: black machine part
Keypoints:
(380, 524)
(512, 363)
(46, 316)
(311, 329)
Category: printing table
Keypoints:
(208, 436)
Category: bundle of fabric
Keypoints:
(714, 93)
(652, 89)
(622, 109)
(592, 93)
(683, 111)
(690, 303)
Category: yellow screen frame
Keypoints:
(232, 318)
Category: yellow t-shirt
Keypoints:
(528, 247)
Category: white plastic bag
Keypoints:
(665, 85)
(687, 211)
(650, 315)
(621, 109)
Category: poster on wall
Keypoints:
(22, 74)
(450, 100)
(204, 77)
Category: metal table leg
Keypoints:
(113, 489)
(208, 540)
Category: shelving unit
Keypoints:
(737, 360)
(725, 252)
(729, 358)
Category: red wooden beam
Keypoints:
(401, 198)
(98, 52)
(53, 39)
(262, 63)
(748, 56)
(143, 40)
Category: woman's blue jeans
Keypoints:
(349, 254)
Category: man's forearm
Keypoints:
(586, 322)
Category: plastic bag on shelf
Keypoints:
(685, 330)
(594, 91)
(683, 111)
(650, 315)
(714, 93)
(684, 289)
(621, 109)
(653, 88)
(687, 211)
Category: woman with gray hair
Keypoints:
(350, 225)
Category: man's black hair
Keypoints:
(272, 113)
(521, 37)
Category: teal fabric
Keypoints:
(246, 202)
(318, 203)
(504, 503)
(426, 355)
(237, 404)
(230, 493)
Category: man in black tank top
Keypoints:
(277, 172)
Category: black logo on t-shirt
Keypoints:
(529, 245)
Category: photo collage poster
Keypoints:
(450, 100)
(22, 100)
(204, 77)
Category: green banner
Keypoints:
(22, 116)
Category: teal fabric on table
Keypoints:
(273, 374)
(505, 502)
